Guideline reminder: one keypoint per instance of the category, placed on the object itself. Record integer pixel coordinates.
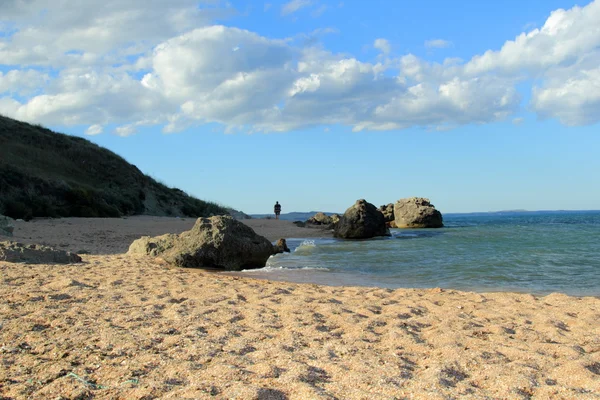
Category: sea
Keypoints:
(528, 252)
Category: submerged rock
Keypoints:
(417, 212)
(215, 242)
(361, 221)
(35, 254)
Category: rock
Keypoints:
(387, 211)
(215, 242)
(35, 254)
(280, 247)
(153, 246)
(361, 221)
(319, 219)
(6, 226)
(299, 224)
(335, 219)
(391, 224)
(417, 212)
(324, 220)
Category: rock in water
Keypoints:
(361, 221)
(388, 214)
(417, 212)
(215, 242)
(35, 254)
(6, 226)
(280, 247)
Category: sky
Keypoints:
(476, 105)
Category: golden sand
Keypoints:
(124, 327)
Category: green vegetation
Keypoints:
(48, 174)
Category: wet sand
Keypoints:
(125, 327)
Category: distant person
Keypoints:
(277, 209)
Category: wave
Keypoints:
(269, 268)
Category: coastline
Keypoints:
(120, 326)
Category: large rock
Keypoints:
(361, 221)
(319, 219)
(35, 254)
(388, 214)
(215, 242)
(6, 226)
(417, 212)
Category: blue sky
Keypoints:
(479, 106)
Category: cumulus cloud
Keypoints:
(437, 43)
(22, 82)
(134, 64)
(382, 45)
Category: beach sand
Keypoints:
(125, 327)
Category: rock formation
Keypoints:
(6, 226)
(280, 247)
(417, 212)
(361, 221)
(215, 242)
(388, 213)
(335, 219)
(35, 254)
(319, 219)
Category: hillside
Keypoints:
(48, 174)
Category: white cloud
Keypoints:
(518, 121)
(94, 130)
(125, 130)
(574, 101)
(382, 45)
(91, 32)
(167, 65)
(294, 5)
(22, 82)
(565, 37)
(437, 43)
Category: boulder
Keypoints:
(215, 242)
(280, 247)
(35, 254)
(335, 219)
(417, 212)
(388, 212)
(153, 246)
(319, 219)
(361, 221)
(6, 226)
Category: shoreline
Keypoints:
(121, 326)
(110, 236)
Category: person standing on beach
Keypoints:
(277, 209)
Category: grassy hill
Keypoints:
(48, 174)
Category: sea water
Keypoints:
(537, 253)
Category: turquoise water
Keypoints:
(523, 252)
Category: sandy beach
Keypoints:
(125, 327)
